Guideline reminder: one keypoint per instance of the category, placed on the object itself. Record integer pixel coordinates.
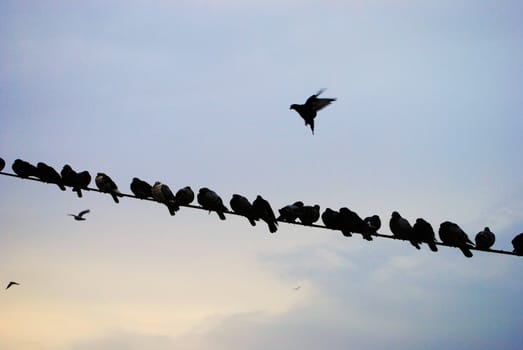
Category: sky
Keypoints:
(427, 122)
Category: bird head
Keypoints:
(293, 106)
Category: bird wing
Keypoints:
(319, 103)
(11, 284)
(83, 212)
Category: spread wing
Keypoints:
(83, 212)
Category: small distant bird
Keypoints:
(184, 196)
(48, 174)
(163, 194)
(12, 284)
(485, 239)
(309, 214)
(297, 287)
(263, 210)
(517, 243)
(241, 205)
(291, 212)
(2, 164)
(24, 169)
(352, 222)
(107, 185)
(373, 222)
(401, 228)
(80, 215)
(209, 200)
(424, 231)
(141, 189)
(451, 234)
(309, 110)
(331, 219)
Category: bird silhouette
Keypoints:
(2, 164)
(451, 234)
(163, 194)
(424, 231)
(263, 210)
(352, 222)
(209, 200)
(297, 287)
(106, 184)
(485, 239)
(24, 169)
(291, 212)
(48, 174)
(141, 189)
(517, 243)
(401, 228)
(311, 107)
(241, 205)
(80, 215)
(12, 284)
(331, 219)
(184, 196)
(309, 214)
(77, 181)
(373, 223)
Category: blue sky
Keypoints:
(427, 122)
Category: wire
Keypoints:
(495, 251)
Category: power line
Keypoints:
(495, 251)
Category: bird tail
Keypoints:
(367, 236)
(433, 246)
(346, 233)
(466, 252)
(251, 221)
(61, 186)
(415, 244)
(221, 215)
(272, 226)
(115, 197)
(78, 191)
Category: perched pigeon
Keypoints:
(424, 231)
(163, 194)
(291, 212)
(241, 205)
(485, 239)
(352, 222)
(309, 214)
(80, 216)
(140, 188)
(24, 169)
(453, 235)
(209, 200)
(401, 228)
(2, 164)
(184, 196)
(331, 219)
(309, 110)
(517, 243)
(75, 180)
(12, 284)
(107, 185)
(373, 222)
(263, 210)
(84, 179)
(48, 174)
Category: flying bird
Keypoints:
(163, 194)
(485, 239)
(106, 184)
(80, 215)
(291, 212)
(48, 174)
(517, 243)
(24, 169)
(424, 231)
(263, 210)
(311, 107)
(141, 189)
(309, 214)
(352, 222)
(401, 228)
(12, 284)
(241, 205)
(209, 200)
(451, 234)
(184, 196)
(2, 164)
(297, 287)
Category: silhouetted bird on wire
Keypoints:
(106, 184)
(331, 219)
(2, 164)
(485, 239)
(309, 214)
(48, 174)
(401, 228)
(517, 243)
(209, 200)
(10, 284)
(163, 194)
(184, 196)
(80, 215)
(425, 233)
(291, 212)
(352, 222)
(77, 181)
(141, 189)
(451, 234)
(263, 210)
(373, 223)
(311, 107)
(24, 169)
(241, 205)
